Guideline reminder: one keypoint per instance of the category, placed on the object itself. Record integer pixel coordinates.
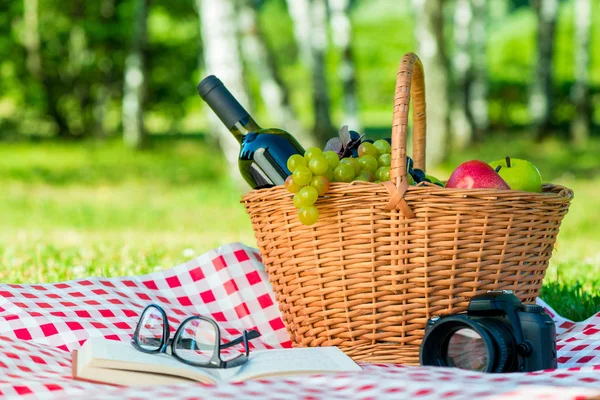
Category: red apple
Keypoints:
(476, 174)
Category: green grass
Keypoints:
(70, 210)
(96, 209)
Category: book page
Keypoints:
(103, 360)
(101, 353)
(129, 378)
(294, 361)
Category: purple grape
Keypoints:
(418, 175)
(354, 135)
(409, 163)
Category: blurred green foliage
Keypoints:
(108, 162)
(84, 45)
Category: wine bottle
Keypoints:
(263, 152)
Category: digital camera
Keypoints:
(496, 334)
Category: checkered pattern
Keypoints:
(65, 314)
(39, 324)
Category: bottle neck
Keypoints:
(243, 127)
(228, 109)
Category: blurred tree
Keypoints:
(110, 40)
(542, 98)
(62, 65)
(78, 104)
(134, 132)
(222, 58)
(172, 67)
(34, 65)
(32, 38)
(498, 10)
(73, 51)
(107, 56)
(430, 33)
(580, 127)
(342, 33)
(310, 27)
(323, 128)
(300, 12)
(461, 119)
(478, 89)
(11, 54)
(262, 62)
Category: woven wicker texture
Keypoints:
(384, 258)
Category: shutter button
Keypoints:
(533, 308)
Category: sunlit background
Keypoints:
(111, 164)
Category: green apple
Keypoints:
(519, 174)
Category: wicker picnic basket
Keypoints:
(384, 258)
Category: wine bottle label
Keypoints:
(259, 177)
(269, 166)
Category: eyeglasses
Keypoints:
(197, 341)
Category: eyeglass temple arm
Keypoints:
(253, 334)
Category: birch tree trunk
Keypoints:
(222, 58)
(580, 128)
(478, 90)
(429, 32)
(342, 35)
(32, 37)
(310, 30)
(541, 98)
(134, 133)
(300, 12)
(461, 120)
(105, 92)
(81, 121)
(34, 64)
(498, 10)
(323, 128)
(261, 59)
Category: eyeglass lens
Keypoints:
(151, 329)
(197, 341)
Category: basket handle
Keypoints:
(409, 81)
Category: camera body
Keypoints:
(496, 334)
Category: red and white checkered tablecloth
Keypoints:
(40, 324)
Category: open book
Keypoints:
(119, 363)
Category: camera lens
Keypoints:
(467, 350)
(479, 344)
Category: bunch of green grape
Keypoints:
(311, 177)
(371, 164)
(312, 173)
